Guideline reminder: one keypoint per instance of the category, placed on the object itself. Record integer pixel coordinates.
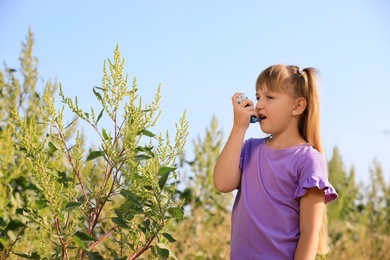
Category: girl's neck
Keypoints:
(280, 142)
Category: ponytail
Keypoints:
(323, 238)
(309, 126)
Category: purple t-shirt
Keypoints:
(265, 217)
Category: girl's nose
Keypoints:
(259, 104)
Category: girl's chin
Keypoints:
(264, 130)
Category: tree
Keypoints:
(346, 205)
(375, 215)
(359, 219)
(111, 201)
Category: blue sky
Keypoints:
(202, 52)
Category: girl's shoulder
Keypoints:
(307, 155)
(252, 143)
(310, 152)
(255, 141)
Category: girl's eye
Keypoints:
(257, 98)
(269, 97)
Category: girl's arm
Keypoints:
(227, 173)
(312, 206)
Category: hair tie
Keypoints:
(300, 70)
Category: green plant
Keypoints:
(16, 180)
(112, 201)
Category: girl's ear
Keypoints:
(299, 107)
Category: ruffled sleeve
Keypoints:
(320, 183)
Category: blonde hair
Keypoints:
(299, 82)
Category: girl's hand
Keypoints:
(242, 111)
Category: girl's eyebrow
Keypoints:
(264, 92)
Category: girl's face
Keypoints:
(275, 111)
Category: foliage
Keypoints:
(113, 201)
(359, 220)
(16, 182)
(204, 233)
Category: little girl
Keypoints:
(282, 180)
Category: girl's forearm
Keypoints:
(227, 173)
(307, 247)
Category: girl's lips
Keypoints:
(262, 117)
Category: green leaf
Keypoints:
(63, 179)
(70, 123)
(94, 155)
(85, 237)
(2, 222)
(163, 180)
(105, 135)
(115, 254)
(131, 197)
(72, 204)
(176, 212)
(34, 255)
(79, 242)
(163, 252)
(147, 133)
(148, 148)
(2, 233)
(97, 94)
(99, 88)
(148, 187)
(99, 116)
(164, 170)
(15, 225)
(54, 142)
(41, 204)
(120, 222)
(19, 211)
(118, 213)
(52, 147)
(147, 223)
(169, 237)
(94, 256)
(142, 157)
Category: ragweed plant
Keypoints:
(113, 201)
(18, 91)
